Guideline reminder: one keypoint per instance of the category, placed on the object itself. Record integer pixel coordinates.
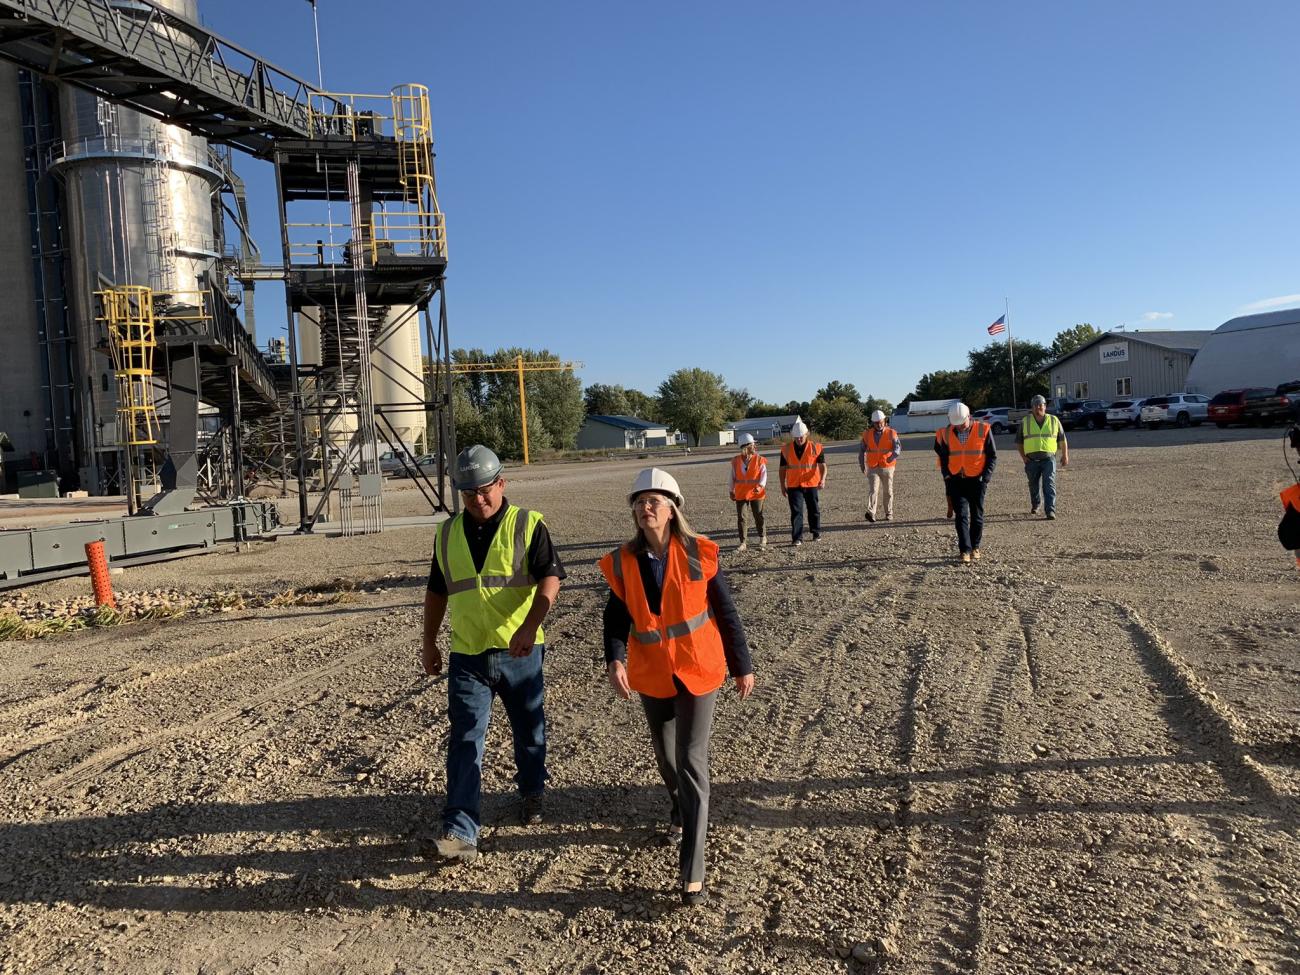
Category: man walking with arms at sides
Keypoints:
(749, 489)
(1039, 438)
(803, 475)
(877, 458)
(967, 456)
(496, 571)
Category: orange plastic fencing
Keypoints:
(98, 562)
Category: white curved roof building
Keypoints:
(1254, 350)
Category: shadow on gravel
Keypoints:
(347, 851)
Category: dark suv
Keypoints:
(1264, 407)
(1089, 414)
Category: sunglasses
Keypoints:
(484, 492)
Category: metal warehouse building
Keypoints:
(1122, 364)
(1254, 350)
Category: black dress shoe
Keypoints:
(693, 898)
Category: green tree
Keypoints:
(693, 401)
(872, 403)
(942, 384)
(836, 419)
(838, 390)
(555, 405)
(602, 400)
(760, 408)
(795, 408)
(739, 402)
(642, 405)
(989, 375)
(1069, 339)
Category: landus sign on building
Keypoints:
(1114, 352)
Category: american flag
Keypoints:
(998, 327)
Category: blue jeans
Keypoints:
(1043, 471)
(797, 498)
(472, 681)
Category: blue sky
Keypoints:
(792, 193)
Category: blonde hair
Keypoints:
(679, 528)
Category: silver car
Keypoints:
(1184, 409)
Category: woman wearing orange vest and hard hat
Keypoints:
(672, 633)
(967, 456)
(749, 488)
(803, 475)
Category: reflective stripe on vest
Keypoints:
(749, 485)
(683, 640)
(878, 453)
(486, 609)
(965, 458)
(801, 472)
(1040, 439)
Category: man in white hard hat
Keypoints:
(803, 475)
(877, 457)
(967, 456)
(749, 488)
(1039, 439)
(496, 570)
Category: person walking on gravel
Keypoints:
(877, 458)
(1039, 438)
(496, 571)
(749, 488)
(803, 475)
(672, 634)
(967, 456)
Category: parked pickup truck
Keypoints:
(1264, 407)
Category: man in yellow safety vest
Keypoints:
(1039, 438)
(496, 571)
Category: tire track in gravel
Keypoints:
(1204, 724)
(937, 920)
(801, 744)
(103, 759)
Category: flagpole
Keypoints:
(1011, 349)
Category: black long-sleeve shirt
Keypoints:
(990, 456)
(735, 646)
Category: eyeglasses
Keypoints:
(652, 501)
(484, 492)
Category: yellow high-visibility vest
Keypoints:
(1040, 438)
(486, 608)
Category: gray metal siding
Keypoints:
(601, 436)
(1154, 371)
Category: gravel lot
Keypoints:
(1082, 754)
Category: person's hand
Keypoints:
(431, 658)
(617, 674)
(521, 643)
(745, 685)
(784, 492)
(1065, 461)
(733, 495)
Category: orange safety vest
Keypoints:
(879, 451)
(1291, 497)
(683, 641)
(749, 484)
(801, 473)
(965, 458)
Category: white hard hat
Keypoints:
(799, 429)
(877, 416)
(653, 479)
(958, 414)
(745, 438)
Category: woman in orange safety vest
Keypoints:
(672, 633)
(749, 489)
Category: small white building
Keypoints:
(599, 432)
(763, 428)
(922, 416)
(719, 438)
